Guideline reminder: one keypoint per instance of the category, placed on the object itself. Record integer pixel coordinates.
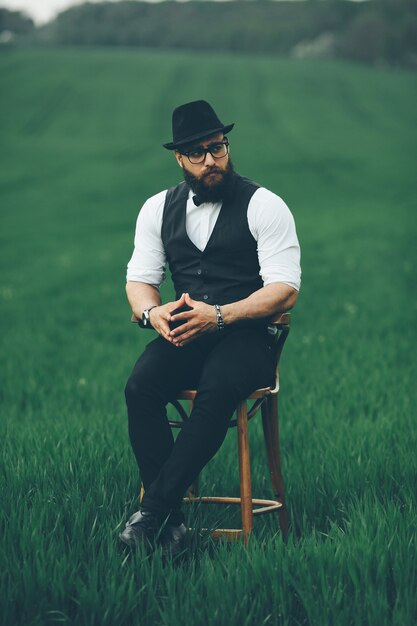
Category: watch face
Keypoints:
(145, 317)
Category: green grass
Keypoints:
(81, 150)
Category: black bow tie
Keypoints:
(197, 200)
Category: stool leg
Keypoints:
(271, 435)
(244, 470)
(193, 489)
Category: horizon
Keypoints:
(43, 11)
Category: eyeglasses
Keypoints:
(218, 150)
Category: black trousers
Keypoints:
(224, 367)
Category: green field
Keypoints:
(81, 135)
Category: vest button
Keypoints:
(199, 272)
(205, 297)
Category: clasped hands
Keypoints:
(202, 318)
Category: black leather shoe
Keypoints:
(172, 540)
(141, 529)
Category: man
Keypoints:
(233, 253)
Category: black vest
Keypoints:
(227, 269)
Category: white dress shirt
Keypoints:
(269, 219)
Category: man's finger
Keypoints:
(162, 327)
(184, 343)
(172, 306)
(180, 301)
(185, 315)
(189, 300)
(166, 331)
(185, 340)
(180, 330)
(186, 334)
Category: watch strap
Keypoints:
(145, 321)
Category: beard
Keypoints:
(211, 190)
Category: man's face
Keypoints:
(209, 178)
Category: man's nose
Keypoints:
(209, 159)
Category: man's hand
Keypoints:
(201, 319)
(160, 316)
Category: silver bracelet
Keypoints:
(220, 322)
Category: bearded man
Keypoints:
(234, 257)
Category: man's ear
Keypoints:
(178, 156)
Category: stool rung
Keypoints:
(266, 505)
(230, 534)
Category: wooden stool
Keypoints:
(265, 399)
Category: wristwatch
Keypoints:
(146, 322)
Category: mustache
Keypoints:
(213, 170)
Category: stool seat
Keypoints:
(265, 399)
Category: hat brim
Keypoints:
(202, 135)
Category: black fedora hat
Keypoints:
(192, 121)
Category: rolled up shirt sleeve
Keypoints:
(272, 225)
(147, 264)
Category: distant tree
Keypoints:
(372, 31)
(365, 38)
(15, 22)
(387, 33)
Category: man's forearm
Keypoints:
(266, 302)
(142, 296)
(201, 318)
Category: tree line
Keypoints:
(376, 32)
